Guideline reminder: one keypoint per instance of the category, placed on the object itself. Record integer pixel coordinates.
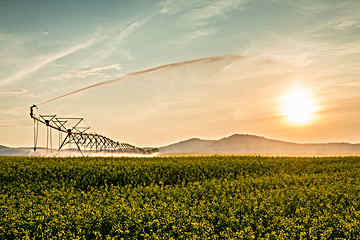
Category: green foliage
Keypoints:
(180, 198)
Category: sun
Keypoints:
(298, 106)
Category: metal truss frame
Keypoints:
(77, 135)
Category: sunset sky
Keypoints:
(291, 69)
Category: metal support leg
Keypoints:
(36, 133)
(64, 142)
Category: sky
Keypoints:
(270, 49)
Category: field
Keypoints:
(213, 197)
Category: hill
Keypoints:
(3, 147)
(8, 151)
(252, 144)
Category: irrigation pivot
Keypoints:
(95, 142)
(76, 134)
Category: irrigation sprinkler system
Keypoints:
(73, 133)
(84, 141)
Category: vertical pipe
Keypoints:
(59, 139)
(50, 140)
(34, 135)
(47, 138)
(37, 133)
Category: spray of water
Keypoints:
(134, 74)
(74, 153)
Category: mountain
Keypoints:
(252, 144)
(3, 148)
(193, 145)
(8, 151)
(234, 144)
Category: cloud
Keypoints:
(13, 92)
(49, 59)
(172, 7)
(102, 68)
(345, 24)
(193, 35)
(336, 16)
(341, 23)
(200, 16)
(113, 41)
(303, 51)
(199, 12)
(166, 5)
(131, 28)
(109, 44)
(86, 72)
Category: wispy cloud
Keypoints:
(102, 68)
(200, 12)
(302, 50)
(166, 5)
(45, 61)
(341, 23)
(191, 36)
(86, 72)
(172, 7)
(13, 92)
(200, 16)
(112, 42)
(131, 28)
(335, 16)
(345, 24)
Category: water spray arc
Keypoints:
(231, 58)
(75, 134)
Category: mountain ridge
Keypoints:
(238, 144)
(253, 144)
(2, 147)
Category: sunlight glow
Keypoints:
(298, 106)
